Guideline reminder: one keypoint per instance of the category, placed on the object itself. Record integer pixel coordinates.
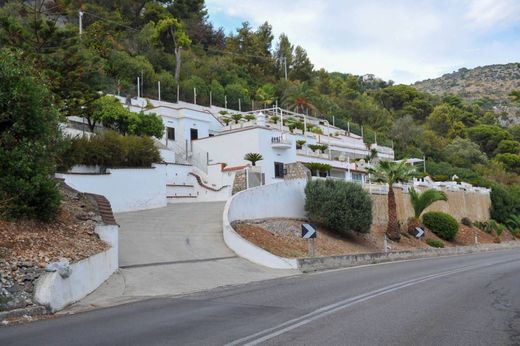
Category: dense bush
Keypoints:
(111, 150)
(28, 143)
(435, 243)
(340, 206)
(466, 221)
(505, 201)
(442, 224)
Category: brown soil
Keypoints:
(71, 235)
(282, 237)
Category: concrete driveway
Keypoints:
(174, 250)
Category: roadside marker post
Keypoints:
(309, 232)
(419, 232)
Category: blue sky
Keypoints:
(402, 40)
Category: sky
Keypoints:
(401, 40)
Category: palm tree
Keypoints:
(236, 117)
(299, 98)
(513, 222)
(422, 200)
(253, 158)
(389, 172)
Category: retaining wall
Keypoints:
(332, 262)
(284, 199)
(56, 292)
(474, 205)
(127, 189)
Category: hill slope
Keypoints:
(493, 81)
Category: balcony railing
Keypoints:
(280, 142)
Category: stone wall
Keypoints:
(460, 204)
(239, 183)
(297, 170)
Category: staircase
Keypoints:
(180, 188)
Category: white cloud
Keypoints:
(405, 41)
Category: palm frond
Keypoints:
(390, 172)
(422, 200)
(513, 221)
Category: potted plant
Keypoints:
(300, 143)
(253, 158)
(249, 117)
(236, 117)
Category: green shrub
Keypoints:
(505, 201)
(28, 143)
(440, 177)
(466, 221)
(316, 167)
(435, 243)
(111, 150)
(442, 224)
(140, 151)
(340, 206)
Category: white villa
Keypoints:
(204, 157)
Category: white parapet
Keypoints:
(283, 199)
(57, 292)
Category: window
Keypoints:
(357, 177)
(278, 170)
(171, 133)
(194, 134)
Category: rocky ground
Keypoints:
(26, 247)
(282, 237)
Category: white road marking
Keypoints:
(269, 333)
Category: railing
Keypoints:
(280, 140)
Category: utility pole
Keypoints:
(80, 23)
(159, 90)
(142, 83)
(225, 101)
(210, 99)
(285, 66)
(195, 95)
(239, 105)
(138, 89)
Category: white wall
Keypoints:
(127, 189)
(56, 292)
(284, 199)
(231, 147)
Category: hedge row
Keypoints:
(110, 150)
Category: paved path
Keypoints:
(174, 250)
(459, 300)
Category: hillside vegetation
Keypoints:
(488, 86)
(174, 43)
(492, 83)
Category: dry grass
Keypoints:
(71, 235)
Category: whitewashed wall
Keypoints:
(127, 189)
(56, 292)
(284, 199)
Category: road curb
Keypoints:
(344, 261)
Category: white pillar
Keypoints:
(80, 23)
(159, 90)
(138, 88)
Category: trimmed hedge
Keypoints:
(442, 224)
(340, 206)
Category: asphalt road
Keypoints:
(459, 300)
(174, 250)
